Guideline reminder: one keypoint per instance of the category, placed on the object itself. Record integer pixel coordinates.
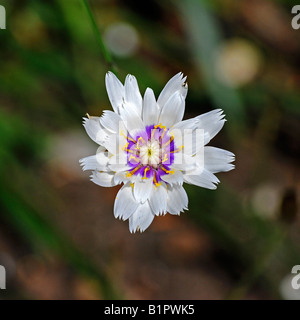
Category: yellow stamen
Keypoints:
(126, 137)
(168, 171)
(165, 130)
(153, 130)
(123, 134)
(177, 150)
(147, 169)
(160, 126)
(133, 157)
(130, 151)
(129, 174)
(169, 141)
(130, 139)
(155, 181)
(165, 158)
(140, 138)
(125, 147)
(152, 133)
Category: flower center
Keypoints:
(149, 153)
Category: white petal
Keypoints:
(102, 158)
(201, 178)
(173, 111)
(186, 124)
(115, 143)
(121, 176)
(89, 163)
(112, 121)
(125, 204)
(94, 130)
(184, 162)
(132, 120)
(115, 91)
(177, 199)
(188, 136)
(194, 133)
(175, 178)
(212, 122)
(194, 140)
(177, 83)
(96, 162)
(150, 108)
(218, 160)
(118, 162)
(132, 94)
(142, 189)
(184, 88)
(158, 199)
(142, 218)
(103, 179)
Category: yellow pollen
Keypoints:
(153, 131)
(130, 151)
(133, 157)
(123, 134)
(147, 169)
(160, 126)
(163, 134)
(126, 137)
(125, 147)
(168, 171)
(165, 158)
(129, 174)
(177, 150)
(140, 138)
(132, 140)
(169, 141)
(155, 181)
(155, 127)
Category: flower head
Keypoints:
(145, 145)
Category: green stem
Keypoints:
(106, 54)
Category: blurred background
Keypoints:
(58, 236)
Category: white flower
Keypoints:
(145, 144)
